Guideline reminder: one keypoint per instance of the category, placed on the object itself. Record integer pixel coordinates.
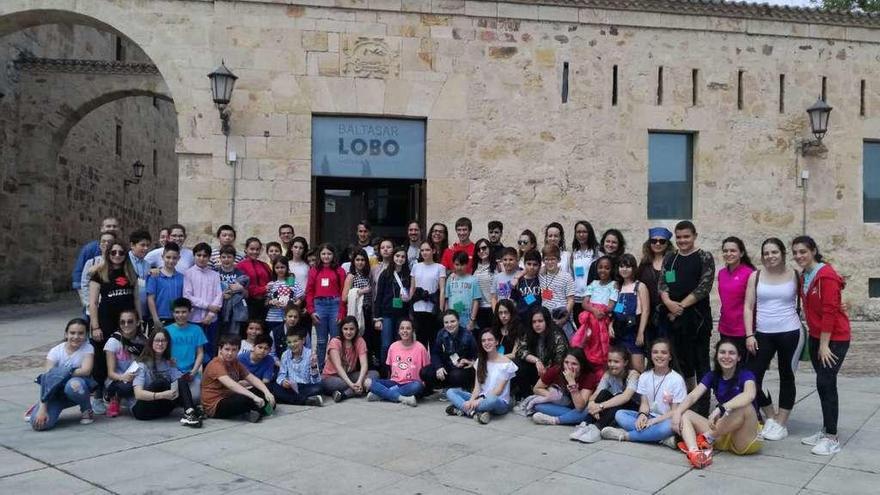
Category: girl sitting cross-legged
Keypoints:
(562, 392)
(406, 358)
(491, 392)
(616, 391)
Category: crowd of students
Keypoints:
(587, 336)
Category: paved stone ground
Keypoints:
(359, 447)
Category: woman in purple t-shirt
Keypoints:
(733, 425)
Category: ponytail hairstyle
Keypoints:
(483, 356)
(811, 245)
(742, 249)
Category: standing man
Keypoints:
(364, 241)
(463, 228)
(285, 237)
(177, 235)
(225, 237)
(140, 243)
(414, 234)
(496, 230)
(685, 283)
(108, 226)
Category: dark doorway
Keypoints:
(388, 204)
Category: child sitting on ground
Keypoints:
(298, 381)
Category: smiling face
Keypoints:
(273, 252)
(525, 243)
(731, 254)
(253, 331)
(181, 315)
(170, 259)
(684, 240)
(128, 323)
(285, 235)
(438, 234)
(75, 335)
(463, 232)
(660, 356)
(616, 363)
(450, 323)
(483, 251)
(160, 343)
(488, 341)
(553, 236)
(140, 248)
(508, 261)
(611, 244)
(771, 255)
(727, 356)
(295, 343)
(405, 331)
(658, 245)
(626, 272)
(414, 232)
(603, 268)
(326, 256)
(116, 254)
(551, 263)
(177, 236)
(349, 332)
(253, 249)
(803, 256)
(281, 270)
(360, 262)
(400, 258)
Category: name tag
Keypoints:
(546, 294)
(579, 271)
(325, 282)
(670, 276)
(530, 299)
(397, 303)
(618, 308)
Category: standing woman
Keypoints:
(484, 271)
(829, 335)
(359, 278)
(259, 275)
(584, 250)
(613, 245)
(554, 235)
(429, 283)
(439, 237)
(732, 281)
(392, 298)
(773, 327)
(298, 265)
(324, 297)
(540, 347)
(112, 290)
(650, 268)
(527, 242)
(507, 328)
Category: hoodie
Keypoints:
(822, 305)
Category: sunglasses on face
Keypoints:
(658, 241)
(522, 243)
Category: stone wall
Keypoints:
(87, 180)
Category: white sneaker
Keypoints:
(590, 434)
(544, 419)
(578, 430)
(826, 446)
(813, 439)
(776, 431)
(99, 406)
(409, 400)
(612, 433)
(371, 397)
(768, 427)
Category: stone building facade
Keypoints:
(534, 111)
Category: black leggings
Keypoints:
(826, 381)
(120, 390)
(237, 404)
(690, 334)
(455, 378)
(606, 417)
(153, 409)
(426, 327)
(786, 346)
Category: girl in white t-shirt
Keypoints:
(429, 287)
(77, 355)
(491, 393)
(661, 390)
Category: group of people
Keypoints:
(587, 336)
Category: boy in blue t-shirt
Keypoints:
(187, 341)
(164, 287)
(258, 361)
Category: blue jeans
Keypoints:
(76, 393)
(491, 403)
(327, 309)
(391, 390)
(652, 434)
(566, 415)
(389, 332)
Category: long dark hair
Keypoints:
(775, 241)
(366, 271)
(627, 357)
(716, 366)
(346, 321)
(515, 327)
(648, 254)
(281, 259)
(483, 356)
(592, 243)
(492, 261)
(811, 245)
(621, 243)
(557, 226)
(672, 362)
(444, 243)
(532, 239)
(745, 260)
(334, 263)
(148, 355)
(404, 269)
(578, 354)
(532, 338)
(305, 251)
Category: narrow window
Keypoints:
(862, 98)
(739, 90)
(155, 102)
(155, 163)
(118, 140)
(695, 86)
(871, 181)
(781, 93)
(614, 86)
(120, 49)
(564, 82)
(824, 88)
(670, 175)
(660, 85)
(874, 287)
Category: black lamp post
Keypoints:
(138, 170)
(819, 113)
(222, 84)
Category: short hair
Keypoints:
(253, 239)
(138, 236)
(366, 225)
(550, 250)
(296, 331)
(263, 339)
(686, 225)
(229, 339)
(460, 257)
(496, 225)
(285, 226)
(225, 227)
(293, 307)
(182, 302)
(271, 244)
(509, 251)
(228, 250)
(177, 226)
(464, 222)
(171, 246)
(532, 256)
(202, 247)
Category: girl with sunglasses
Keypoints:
(653, 251)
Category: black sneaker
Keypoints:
(338, 396)
(200, 412)
(254, 416)
(191, 419)
(453, 411)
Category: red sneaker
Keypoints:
(113, 408)
(699, 458)
(702, 443)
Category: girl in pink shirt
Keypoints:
(732, 282)
(406, 358)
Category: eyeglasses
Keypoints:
(127, 322)
(117, 252)
(658, 241)
(522, 243)
(160, 341)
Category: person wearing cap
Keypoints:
(654, 249)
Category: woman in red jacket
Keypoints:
(259, 275)
(829, 335)
(324, 297)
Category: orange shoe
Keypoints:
(682, 447)
(699, 458)
(702, 443)
(113, 408)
